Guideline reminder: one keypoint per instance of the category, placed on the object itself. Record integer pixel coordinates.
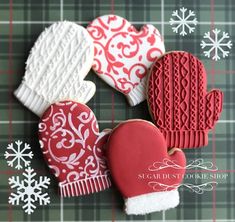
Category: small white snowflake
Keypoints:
(182, 21)
(29, 190)
(216, 44)
(18, 155)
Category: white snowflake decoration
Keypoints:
(216, 44)
(183, 20)
(29, 190)
(19, 155)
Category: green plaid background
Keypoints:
(21, 21)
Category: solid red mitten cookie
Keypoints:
(123, 54)
(73, 148)
(145, 173)
(178, 101)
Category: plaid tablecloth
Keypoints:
(21, 21)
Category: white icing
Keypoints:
(56, 67)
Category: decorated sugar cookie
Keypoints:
(137, 155)
(73, 148)
(123, 54)
(58, 62)
(178, 101)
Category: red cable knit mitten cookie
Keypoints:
(137, 156)
(73, 148)
(179, 104)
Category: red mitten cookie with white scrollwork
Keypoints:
(73, 148)
(179, 104)
(123, 54)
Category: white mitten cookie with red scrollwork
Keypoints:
(123, 54)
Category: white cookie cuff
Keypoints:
(36, 103)
(151, 202)
(137, 95)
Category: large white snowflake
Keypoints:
(216, 44)
(183, 20)
(29, 190)
(19, 155)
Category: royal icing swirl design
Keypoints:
(73, 146)
(123, 55)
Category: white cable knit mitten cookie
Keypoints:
(56, 67)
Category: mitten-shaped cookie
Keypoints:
(58, 62)
(178, 101)
(123, 54)
(73, 148)
(143, 170)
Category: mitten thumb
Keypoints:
(176, 154)
(101, 147)
(103, 136)
(213, 107)
(177, 162)
(81, 92)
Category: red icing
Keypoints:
(178, 100)
(73, 147)
(136, 148)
